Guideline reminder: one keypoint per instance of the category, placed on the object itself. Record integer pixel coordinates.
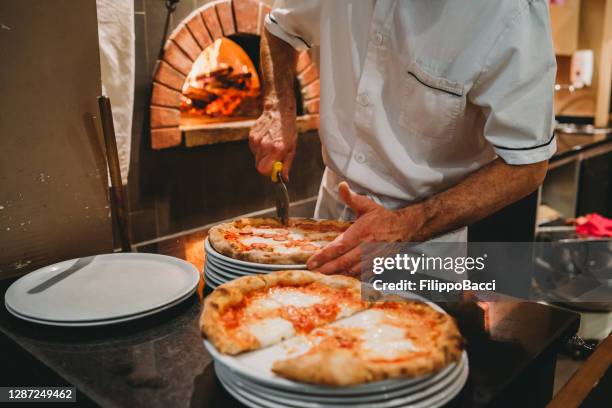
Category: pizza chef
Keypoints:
(433, 114)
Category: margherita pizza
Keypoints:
(389, 340)
(266, 240)
(257, 311)
(341, 339)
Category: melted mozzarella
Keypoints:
(379, 340)
(363, 320)
(299, 345)
(389, 350)
(295, 298)
(277, 299)
(278, 246)
(284, 250)
(296, 236)
(262, 231)
(258, 240)
(271, 331)
(346, 310)
(386, 342)
(264, 304)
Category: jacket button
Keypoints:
(379, 38)
(363, 99)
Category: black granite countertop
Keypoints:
(160, 361)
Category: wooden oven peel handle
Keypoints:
(112, 159)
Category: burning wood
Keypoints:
(217, 88)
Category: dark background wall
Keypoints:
(183, 188)
(53, 190)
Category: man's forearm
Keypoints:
(278, 61)
(482, 193)
(273, 136)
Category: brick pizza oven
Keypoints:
(240, 21)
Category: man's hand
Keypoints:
(273, 138)
(482, 193)
(374, 223)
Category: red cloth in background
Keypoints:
(594, 225)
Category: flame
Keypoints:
(222, 82)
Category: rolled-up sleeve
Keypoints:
(516, 88)
(295, 22)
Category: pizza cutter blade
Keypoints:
(281, 193)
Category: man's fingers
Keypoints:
(357, 269)
(342, 244)
(343, 263)
(259, 155)
(254, 141)
(258, 133)
(264, 164)
(358, 203)
(287, 164)
(268, 152)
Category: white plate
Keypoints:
(208, 275)
(212, 252)
(256, 366)
(434, 396)
(210, 279)
(111, 288)
(92, 323)
(234, 393)
(306, 400)
(223, 273)
(211, 285)
(235, 269)
(217, 276)
(254, 399)
(351, 394)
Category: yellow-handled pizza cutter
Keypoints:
(282, 195)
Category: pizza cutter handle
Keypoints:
(277, 168)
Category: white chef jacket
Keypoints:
(417, 94)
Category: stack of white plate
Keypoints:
(249, 378)
(101, 289)
(220, 268)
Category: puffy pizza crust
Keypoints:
(334, 365)
(234, 292)
(216, 236)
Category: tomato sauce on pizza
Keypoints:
(266, 240)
